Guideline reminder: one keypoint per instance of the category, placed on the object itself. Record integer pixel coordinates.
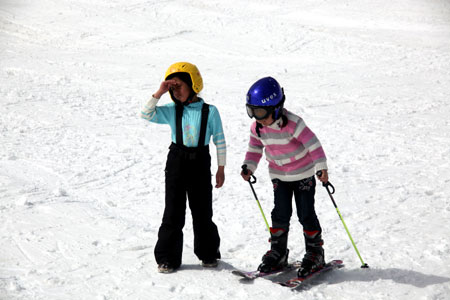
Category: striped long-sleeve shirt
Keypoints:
(293, 151)
(191, 122)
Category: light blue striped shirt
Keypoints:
(190, 123)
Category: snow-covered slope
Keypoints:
(81, 176)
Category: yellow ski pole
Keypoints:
(327, 185)
(250, 181)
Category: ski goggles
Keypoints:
(259, 112)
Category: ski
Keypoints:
(295, 282)
(256, 274)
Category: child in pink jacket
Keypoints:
(294, 154)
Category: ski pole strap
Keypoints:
(327, 186)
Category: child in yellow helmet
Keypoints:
(188, 167)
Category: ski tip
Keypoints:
(287, 284)
(244, 275)
(293, 283)
(296, 282)
(337, 262)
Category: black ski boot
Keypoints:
(277, 257)
(166, 268)
(210, 263)
(314, 258)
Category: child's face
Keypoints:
(180, 89)
(267, 121)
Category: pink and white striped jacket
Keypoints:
(293, 151)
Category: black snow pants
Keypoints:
(188, 173)
(303, 191)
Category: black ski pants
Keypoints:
(303, 191)
(188, 173)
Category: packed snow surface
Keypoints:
(82, 176)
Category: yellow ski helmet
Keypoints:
(194, 73)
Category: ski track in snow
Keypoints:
(81, 176)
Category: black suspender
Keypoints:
(204, 123)
(179, 129)
(205, 112)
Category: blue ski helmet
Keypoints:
(265, 97)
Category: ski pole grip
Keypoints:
(319, 173)
(245, 171)
(327, 184)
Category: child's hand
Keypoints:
(164, 87)
(324, 176)
(220, 177)
(246, 176)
